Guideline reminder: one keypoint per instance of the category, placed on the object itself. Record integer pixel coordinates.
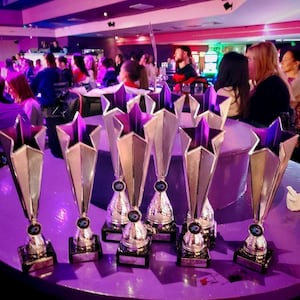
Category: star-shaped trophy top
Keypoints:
(202, 135)
(23, 132)
(164, 99)
(134, 120)
(117, 99)
(79, 131)
(271, 137)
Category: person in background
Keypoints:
(79, 70)
(134, 75)
(147, 61)
(290, 65)
(110, 77)
(185, 72)
(270, 96)
(29, 70)
(38, 66)
(119, 59)
(66, 71)
(21, 92)
(55, 47)
(9, 66)
(101, 70)
(9, 111)
(43, 85)
(233, 81)
(90, 64)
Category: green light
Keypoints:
(293, 44)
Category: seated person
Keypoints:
(43, 83)
(185, 72)
(110, 75)
(9, 111)
(233, 81)
(21, 92)
(66, 71)
(134, 75)
(79, 70)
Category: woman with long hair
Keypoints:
(21, 92)
(233, 81)
(270, 95)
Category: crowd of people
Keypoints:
(260, 85)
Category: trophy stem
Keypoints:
(160, 217)
(38, 253)
(192, 250)
(117, 213)
(135, 245)
(254, 254)
(85, 245)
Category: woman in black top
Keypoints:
(270, 96)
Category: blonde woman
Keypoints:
(22, 94)
(270, 96)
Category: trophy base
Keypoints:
(253, 262)
(111, 233)
(78, 255)
(36, 265)
(133, 258)
(185, 259)
(163, 233)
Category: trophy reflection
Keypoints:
(199, 146)
(118, 207)
(160, 216)
(24, 145)
(267, 166)
(79, 143)
(134, 146)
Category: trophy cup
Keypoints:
(79, 143)
(118, 207)
(199, 146)
(207, 219)
(24, 145)
(267, 165)
(160, 217)
(134, 146)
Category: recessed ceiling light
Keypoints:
(141, 6)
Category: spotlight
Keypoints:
(111, 24)
(227, 5)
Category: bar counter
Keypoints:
(163, 279)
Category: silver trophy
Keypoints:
(207, 218)
(79, 143)
(134, 146)
(118, 207)
(160, 216)
(199, 146)
(267, 166)
(24, 145)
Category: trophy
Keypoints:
(160, 216)
(134, 146)
(207, 219)
(267, 165)
(24, 145)
(118, 207)
(200, 146)
(79, 143)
